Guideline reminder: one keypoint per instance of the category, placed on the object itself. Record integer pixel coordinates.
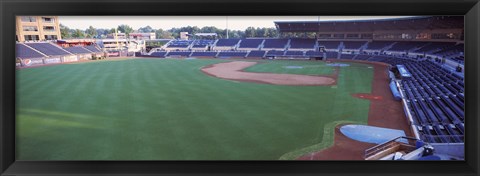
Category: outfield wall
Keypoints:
(28, 62)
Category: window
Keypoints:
(31, 37)
(50, 37)
(29, 19)
(48, 20)
(30, 28)
(48, 28)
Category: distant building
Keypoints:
(118, 36)
(184, 35)
(75, 42)
(142, 36)
(37, 28)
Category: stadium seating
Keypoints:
(205, 53)
(227, 42)
(92, 48)
(353, 44)
(179, 53)
(313, 53)
(329, 44)
(232, 54)
(202, 43)
(302, 43)
(406, 46)
(256, 53)
(275, 53)
(450, 50)
(24, 52)
(181, 44)
(48, 49)
(434, 47)
(378, 45)
(435, 98)
(77, 50)
(275, 43)
(362, 57)
(294, 53)
(250, 43)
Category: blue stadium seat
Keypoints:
(227, 42)
(256, 53)
(204, 53)
(92, 48)
(25, 52)
(179, 53)
(48, 49)
(250, 43)
(298, 43)
(275, 43)
(232, 54)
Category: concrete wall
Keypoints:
(454, 149)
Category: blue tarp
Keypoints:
(395, 92)
(403, 71)
(371, 134)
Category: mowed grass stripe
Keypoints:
(168, 109)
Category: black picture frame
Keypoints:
(10, 8)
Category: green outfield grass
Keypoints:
(167, 109)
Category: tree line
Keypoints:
(173, 33)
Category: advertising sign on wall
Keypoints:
(70, 59)
(31, 62)
(52, 60)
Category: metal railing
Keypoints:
(389, 144)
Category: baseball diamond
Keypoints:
(169, 109)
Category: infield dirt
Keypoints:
(233, 71)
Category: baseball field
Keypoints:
(171, 109)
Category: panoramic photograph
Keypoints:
(240, 88)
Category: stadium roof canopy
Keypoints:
(410, 23)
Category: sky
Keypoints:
(168, 22)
